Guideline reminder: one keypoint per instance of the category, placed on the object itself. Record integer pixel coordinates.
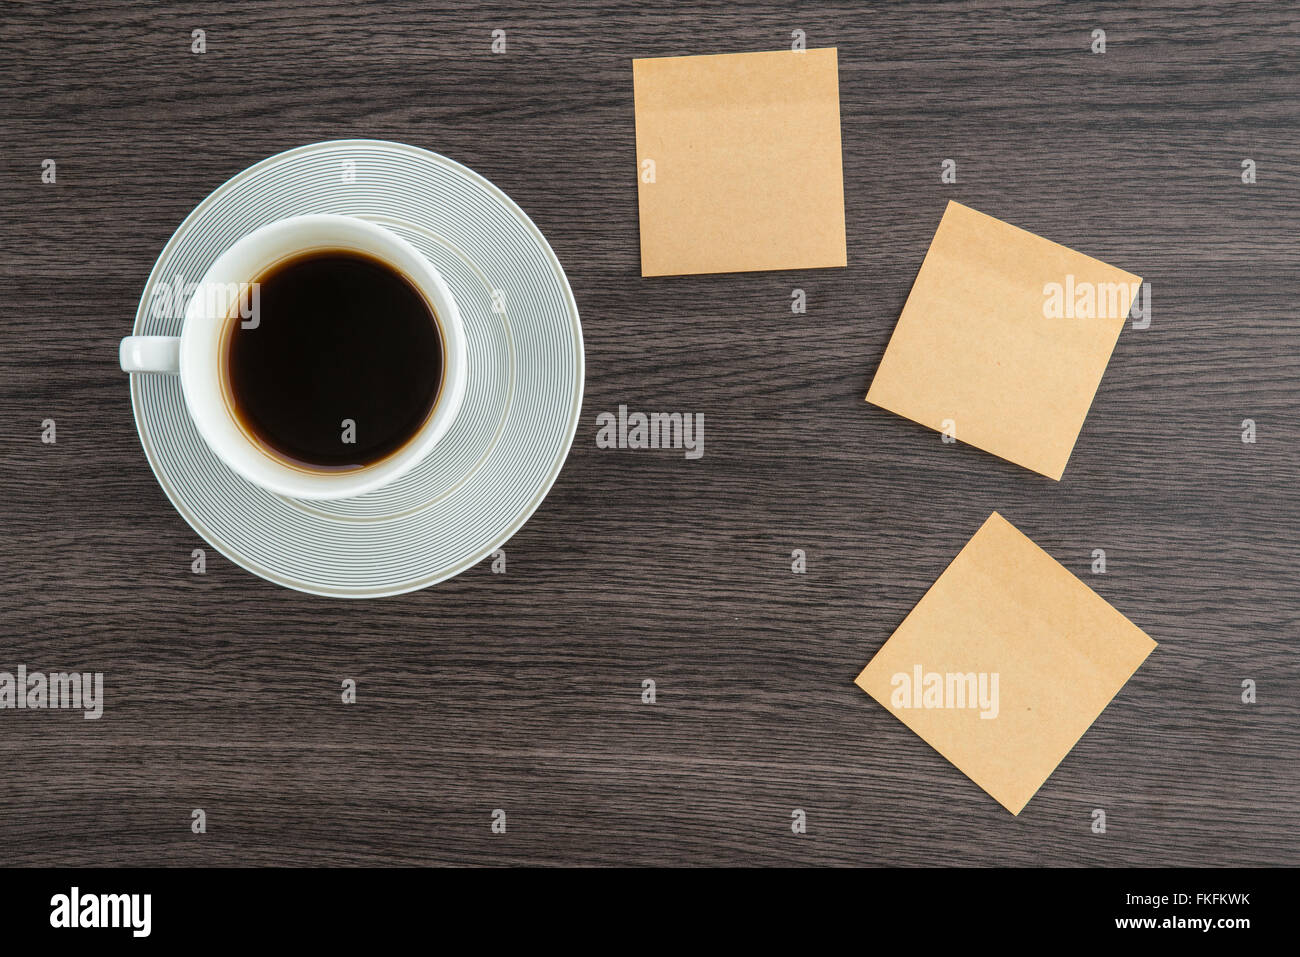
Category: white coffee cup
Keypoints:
(195, 355)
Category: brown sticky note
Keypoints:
(1005, 662)
(738, 162)
(1003, 340)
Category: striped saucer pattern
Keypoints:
(522, 402)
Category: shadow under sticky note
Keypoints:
(1003, 340)
(1005, 662)
(738, 161)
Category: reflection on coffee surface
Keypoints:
(341, 363)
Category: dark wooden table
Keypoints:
(522, 691)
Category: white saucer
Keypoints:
(521, 408)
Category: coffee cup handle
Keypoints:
(150, 354)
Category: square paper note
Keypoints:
(1005, 662)
(738, 162)
(1003, 340)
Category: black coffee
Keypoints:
(340, 365)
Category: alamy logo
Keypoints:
(1074, 299)
(75, 909)
(171, 299)
(933, 689)
(657, 430)
(76, 691)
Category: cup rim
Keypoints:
(203, 361)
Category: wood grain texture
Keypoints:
(522, 691)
